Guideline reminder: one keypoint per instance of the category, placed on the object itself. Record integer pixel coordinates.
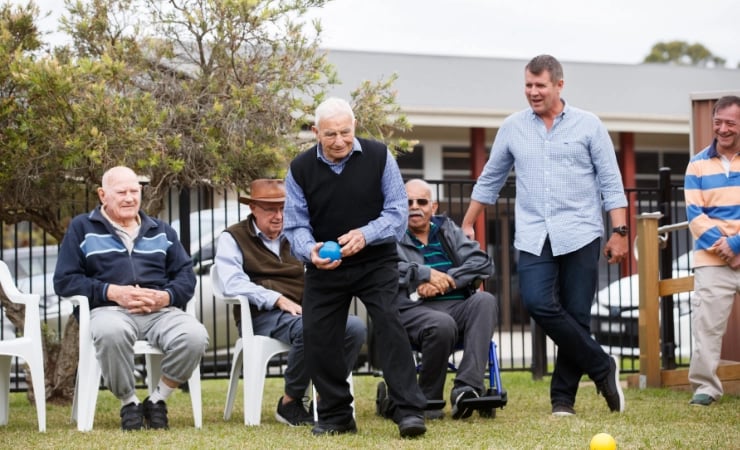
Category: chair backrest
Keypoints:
(32, 316)
(246, 314)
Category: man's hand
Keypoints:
(441, 281)
(289, 306)
(616, 248)
(468, 231)
(352, 242)
(138, 300)
(722, 249)
(323, 263)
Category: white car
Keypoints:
(614, 315)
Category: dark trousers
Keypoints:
(435, 327)
(558, 292)
(326, 300)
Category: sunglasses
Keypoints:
(419, 201)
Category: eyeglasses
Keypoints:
(419, 201)
(270, 210)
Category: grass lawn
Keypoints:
(654, 419)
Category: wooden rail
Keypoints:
(651, 289)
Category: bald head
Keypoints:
(120, 195)
(114, 174)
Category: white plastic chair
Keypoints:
(27, 347)
(259, 351)
(89, 372)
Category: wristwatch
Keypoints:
(623, 230)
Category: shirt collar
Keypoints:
(356, 147)
(262, 235)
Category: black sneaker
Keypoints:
(610, 388)
(563, 410)
(132, 417)
(293, 413)
(334, 429)
(156, 415)
(457, 395)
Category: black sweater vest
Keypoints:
(338, 203)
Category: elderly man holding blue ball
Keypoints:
(350, 190)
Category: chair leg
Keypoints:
(36, 364)
(5, 361)
(153, 371)
(196, 398)
(236, 366)
(86, 390)
(254, 384)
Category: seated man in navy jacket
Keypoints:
(440, 304)
(138, 279)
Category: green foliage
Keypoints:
(189, 93)
(683, 53)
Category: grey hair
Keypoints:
(425, 185)
(332, 107)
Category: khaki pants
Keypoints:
(714, 292)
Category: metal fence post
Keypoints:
(539, 352)
(667, 334)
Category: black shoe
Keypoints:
(332, 429)
(610, 388)
(411, 426)
(457, 395)
(293, 413)
(563, 410)
(132, 417)
(156, 415)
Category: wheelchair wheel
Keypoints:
(381, 399)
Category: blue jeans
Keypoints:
(558, 292)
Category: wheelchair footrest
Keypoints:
(488, 401)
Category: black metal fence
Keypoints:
(520, 345)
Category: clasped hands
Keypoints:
(438, 284)
(722, 249)
(138, 300)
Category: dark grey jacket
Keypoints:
(470, 265)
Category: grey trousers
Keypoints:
(114, 330)
(435, 327)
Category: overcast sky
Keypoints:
(618, 31)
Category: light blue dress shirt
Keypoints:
(564, 177)
(234, 281)
(388, 227)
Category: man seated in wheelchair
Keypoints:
(440, 271)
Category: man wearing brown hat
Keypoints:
(254, 260)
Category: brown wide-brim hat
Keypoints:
(265, 191)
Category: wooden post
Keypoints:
(649, 317)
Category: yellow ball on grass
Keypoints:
(603, 441)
